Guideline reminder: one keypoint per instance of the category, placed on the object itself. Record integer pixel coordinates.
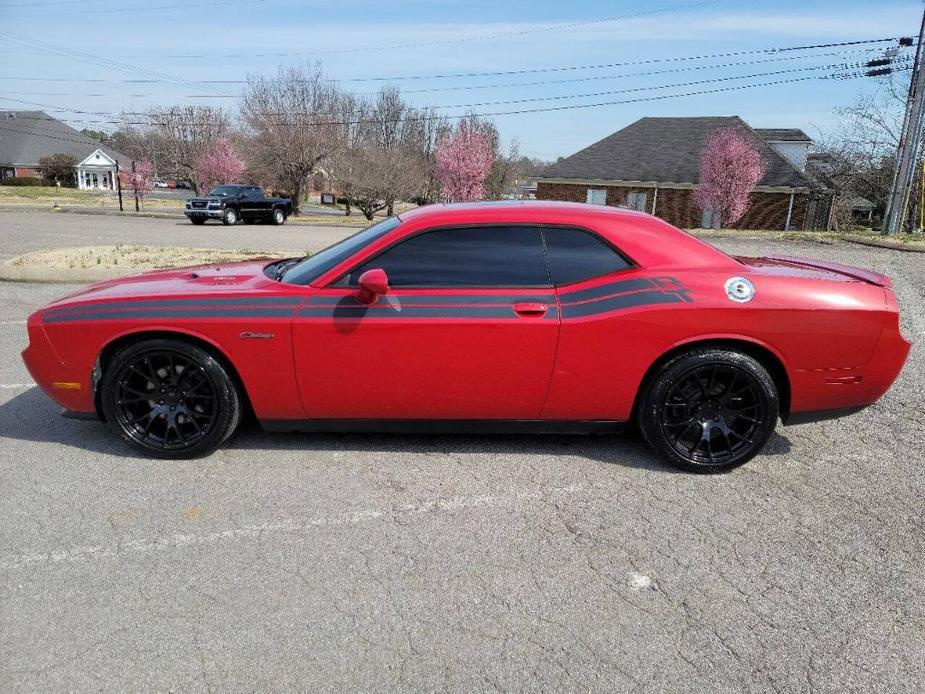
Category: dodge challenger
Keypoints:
(485, 317)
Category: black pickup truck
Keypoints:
(234, 203)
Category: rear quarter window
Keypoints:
(576, 255)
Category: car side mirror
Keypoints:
(373, 283)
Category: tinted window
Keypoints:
(576, 255)
(312, 267)
(464, 257)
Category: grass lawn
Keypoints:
(72, 197)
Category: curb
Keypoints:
(48, 275)
(104, 212)
(885, 243)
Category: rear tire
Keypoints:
(279, 217)
(709, 410)
(169, 399)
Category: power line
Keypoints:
(458, 75)
(601, 66)
(844, 66)
(838, 66)
(544, 83)
(548, 109)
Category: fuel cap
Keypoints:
(740, 290)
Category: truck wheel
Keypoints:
(230, 217)
(197, 220)
(279, 217)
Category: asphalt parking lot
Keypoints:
(373, 563)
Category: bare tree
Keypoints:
(861, 153)
(505, 173)
(294, 122)
(176, 137)
(383, 160)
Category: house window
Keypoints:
(597, 196)
(637, 201)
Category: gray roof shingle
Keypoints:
(783, 134)
(667, 150)
(27, 136)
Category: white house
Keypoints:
(99, 170)
(28, 136)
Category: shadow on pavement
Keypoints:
(32, 416)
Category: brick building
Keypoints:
(653, 165)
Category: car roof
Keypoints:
(552, 208)
(647, 239)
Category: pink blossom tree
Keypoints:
(730, 167)
(463, 161)
(218, 165)
(139, 179)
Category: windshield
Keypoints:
(224, 191)
(312, 267)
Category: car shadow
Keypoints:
(32, 416)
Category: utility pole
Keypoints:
(119, 186)
(135, 184)
(908, 145)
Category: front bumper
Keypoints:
(70, 387)
(204, 213)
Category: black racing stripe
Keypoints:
(615, 303)
(348, 311)
(607, 289)
(172, 313)
(163, 303)
(455, 299)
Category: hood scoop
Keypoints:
(215, 276)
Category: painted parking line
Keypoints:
(12, 322)
(295, 528)
(16, 386)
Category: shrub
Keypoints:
(27, 181)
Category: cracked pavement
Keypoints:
(471, 563)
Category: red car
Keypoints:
(491, 317)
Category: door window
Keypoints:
(576, 255)
(491, 256)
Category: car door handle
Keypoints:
(530, 309)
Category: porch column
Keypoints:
(789, 212)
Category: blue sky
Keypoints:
(359, 39)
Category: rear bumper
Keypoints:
(829, 393)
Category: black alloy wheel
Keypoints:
(170, 399)
(710, 410)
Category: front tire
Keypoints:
(709, 410)
(230, 218)
(197, 220)
(279, 217)
(169, 399)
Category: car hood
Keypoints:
(199, 280)
(211, 198)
